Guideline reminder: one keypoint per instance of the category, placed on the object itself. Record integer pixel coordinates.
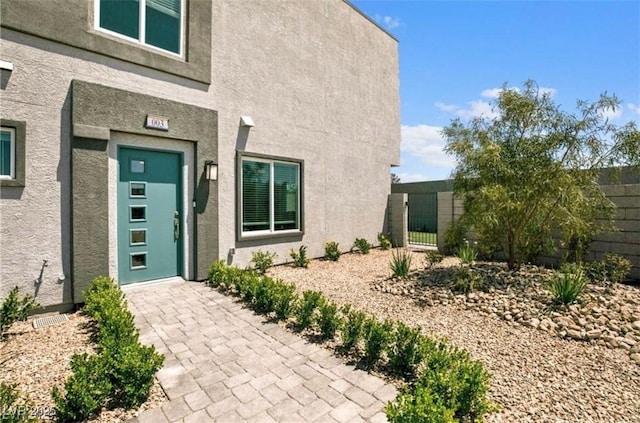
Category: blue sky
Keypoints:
(454, 54)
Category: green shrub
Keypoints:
(454, 236)
(285, 300)
(121, 372)
(262, 260)
(466, 280)
(567, 287)
(12, 408)
(362, 245)
(400, 263)
(467, 253)
(406, 351)
(418, 405)
(132, 367)
(87, 389)
(300, 258)
(332, 250)
(384, 240)
(613, 268)
(264, 296)
(305, 311)
(15, 309)
(217, 273)
(433, 257)
(377, 336)
(328, 319)
(353, 328)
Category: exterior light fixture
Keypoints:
(211, 170)
(247, 122)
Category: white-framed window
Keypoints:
(7, 153)
(270, 196)
(156, 23)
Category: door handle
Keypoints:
(176, 226)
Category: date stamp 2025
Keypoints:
(27, 411)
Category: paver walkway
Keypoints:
(224, 363)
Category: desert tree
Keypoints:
(531, 171)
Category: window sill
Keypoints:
(295, 235)
(11, 183)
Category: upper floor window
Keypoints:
(157, 23)
(7, 153)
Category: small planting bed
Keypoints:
(544, 366)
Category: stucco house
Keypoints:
(143, 139)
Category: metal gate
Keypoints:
(423, 218)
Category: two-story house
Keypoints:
(143, 139)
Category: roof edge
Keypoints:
(367, 17)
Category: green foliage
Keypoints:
(567, 286)
(15, 309)
(466, 280)
(362, 245)
(87, 389)
(467, 253)
(418, 405)
(217, 273)
(122, 371)
(613, 268)
(433, 257)
(533, 170)
(332, 250)
(12, 408)
(262, 260)
(400, 263)
(305, 312)
(384, 240)
(454, 236)
(353, 328)
(299, 257)
(377, 336)
(285, 299)
(451, 387)
(264, 295)
(406, 351)
(329, 320)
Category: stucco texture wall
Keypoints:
(321, 83)
(319, 80)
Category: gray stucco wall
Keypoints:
(319, 80)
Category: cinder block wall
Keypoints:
(625, 242)
(398, 219)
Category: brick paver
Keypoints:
(224, 363)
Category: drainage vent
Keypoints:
(49, 321)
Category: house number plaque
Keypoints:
(157, 122)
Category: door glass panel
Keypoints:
(138, 237)
(138, 213)
(138, 261)
(137, 189)
(136, 166)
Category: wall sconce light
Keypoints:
(211, 170)
(246, 121)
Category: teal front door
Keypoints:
(149, 215)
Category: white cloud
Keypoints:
(413, 177)
(476, 108)
(545, 90)
(388, 21)
(635, 109)
(425, 143)
(611, 113)
(446, 107)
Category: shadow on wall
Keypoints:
(63, 176)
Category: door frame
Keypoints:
(187, 150)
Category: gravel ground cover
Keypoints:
(540, 372)
(36, 360)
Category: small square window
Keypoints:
(138, 261)
(137, 213)
(138, 237)
(137, 189)
(136, 166)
